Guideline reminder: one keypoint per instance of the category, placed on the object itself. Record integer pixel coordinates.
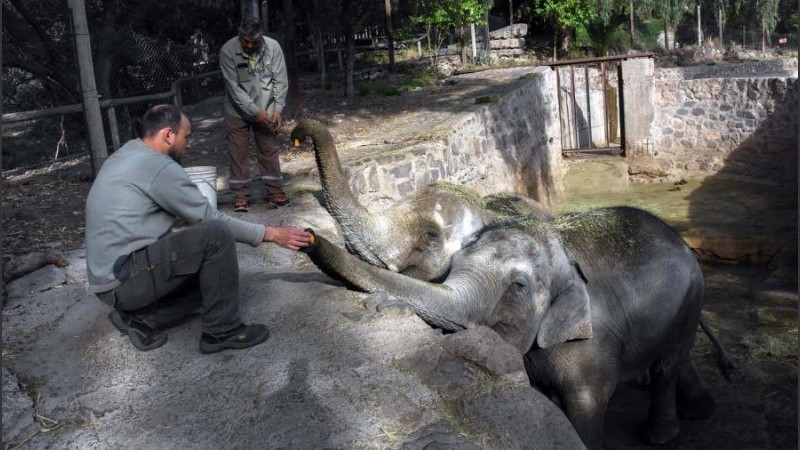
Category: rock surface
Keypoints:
(333, 373)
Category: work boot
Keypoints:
(142, 336)
(240, 337)
(241, 205)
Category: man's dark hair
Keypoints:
(250, 27)
(158, 117)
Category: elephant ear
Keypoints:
(569, 315)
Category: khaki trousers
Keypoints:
(267, 157)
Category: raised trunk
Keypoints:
(364, 235)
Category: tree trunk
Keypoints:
(666, 36)
(295, 100)
(633, 31)
(389, 33)
(555, 45)
(510, 13)
(763, 35)
(349, 39)
(486, 37)
(319, 43)
(462, 43)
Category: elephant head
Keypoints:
(417, 236)
(515, 278)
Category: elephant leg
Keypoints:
(662, 421)
(585, 406)
(694, 398)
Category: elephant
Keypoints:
(590, 299)
(417, 236)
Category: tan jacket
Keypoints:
(248, 90)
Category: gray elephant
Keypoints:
(417, 236)
(590, 299)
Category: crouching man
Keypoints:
(152, 276)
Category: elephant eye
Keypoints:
(431, 237)
(519, 284)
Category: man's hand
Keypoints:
(276, 120)
(288, 237)
(262, 117)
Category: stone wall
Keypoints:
(736, 126)
(511, 144)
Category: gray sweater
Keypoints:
(138, 196)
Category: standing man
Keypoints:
(152, 275)
(255, 95)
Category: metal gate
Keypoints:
(590, 104)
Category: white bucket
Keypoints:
(205, 177)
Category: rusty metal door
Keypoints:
(590, 104)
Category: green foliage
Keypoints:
(401, 34)
(567, 14)
(455, 13)
(368, 88)
(649, 32)
(419, 77)
(413, 77)
(582, 38)
(371, 59)
(672, 11)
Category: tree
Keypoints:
(671, 12)
(566, 16)
(458, 14)
(353, 15)
(767, 16)
(389, 33)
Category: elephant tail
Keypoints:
(726, 365)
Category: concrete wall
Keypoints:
(638, 100)
(512, 145)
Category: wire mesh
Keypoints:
(135, 66)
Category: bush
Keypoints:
(648, 33)
(367, 88)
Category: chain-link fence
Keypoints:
(132, 73)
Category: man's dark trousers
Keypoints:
(181, 272)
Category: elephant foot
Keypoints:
(699, 407)
(661, 432)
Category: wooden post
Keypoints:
(474, 44)
(91, 104)
(178, 98)
(265, 16)
(112, 127)
(699, 28)
(389, 33)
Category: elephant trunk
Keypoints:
(456, 304)
(364, 235)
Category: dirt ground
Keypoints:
(43, 210)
